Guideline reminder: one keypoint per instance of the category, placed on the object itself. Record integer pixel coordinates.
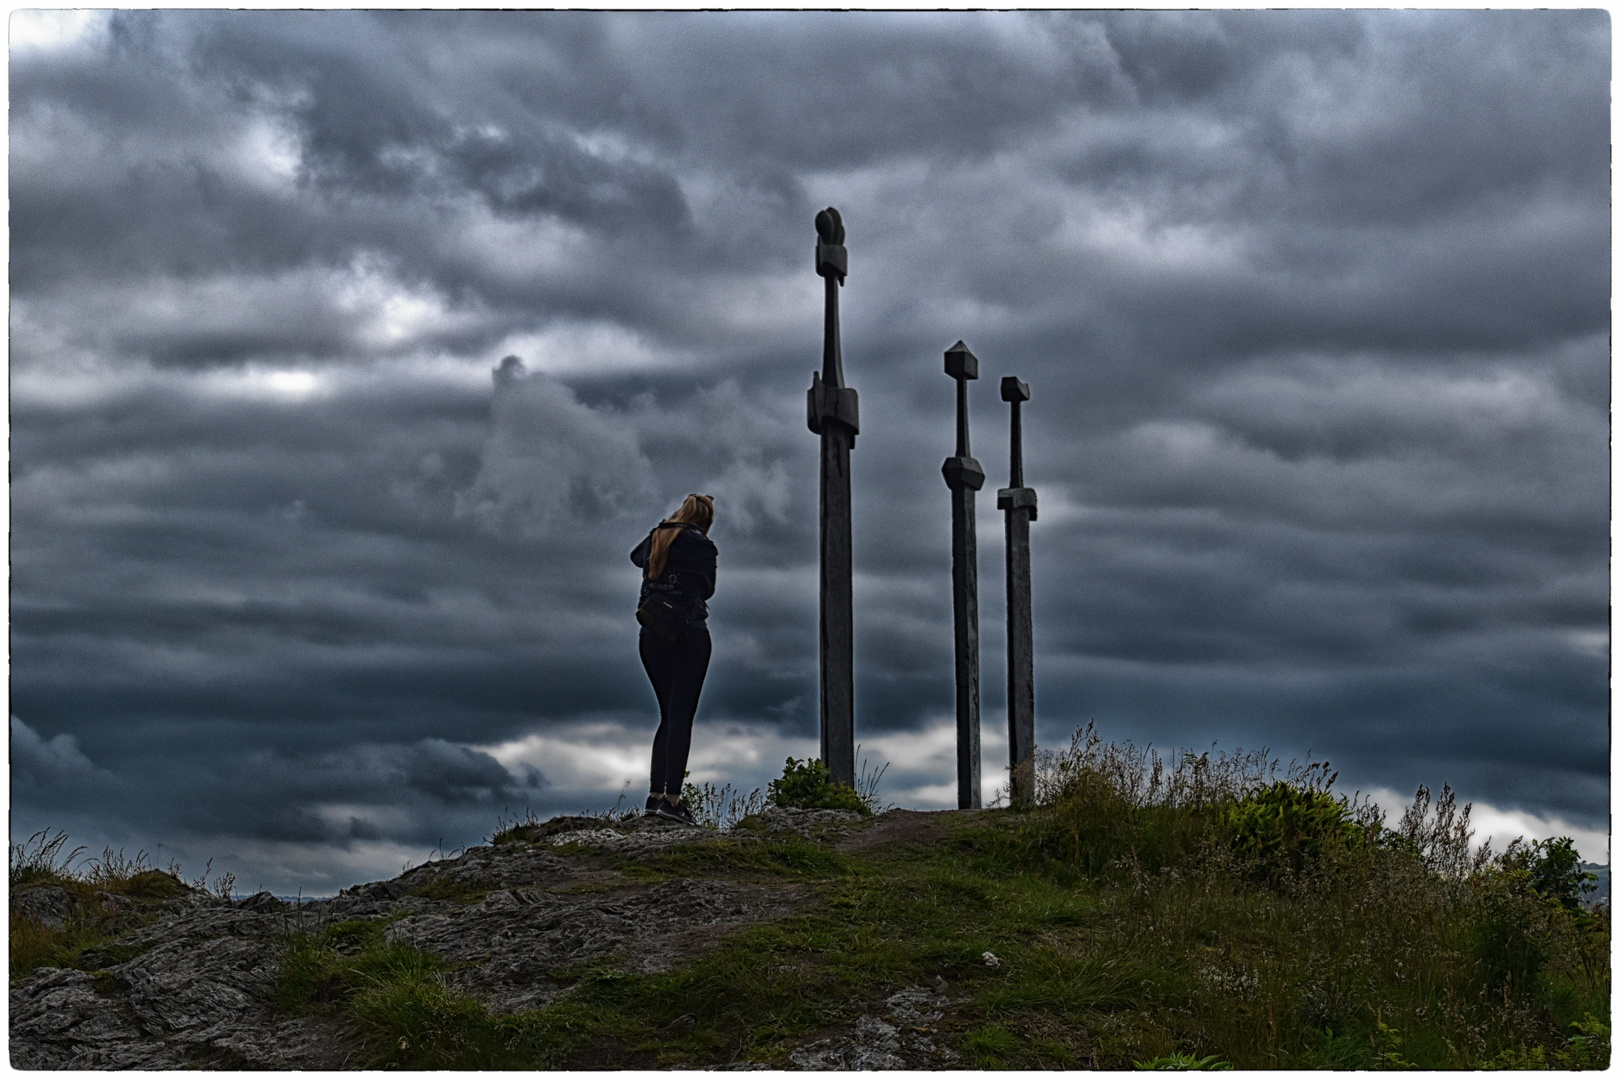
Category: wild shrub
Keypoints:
(1528, 902)
(809, 785)
(1286, 825)
(1111, 807)
(1439, 834)
(1552, 870)
(1185, 1063)
(1510, 929)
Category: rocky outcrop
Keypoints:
(192, 987)
(193, 995)
(514, 937)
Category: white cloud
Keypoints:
(53, 30)
(598, 757)
(552, 460)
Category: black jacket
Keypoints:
(688, 578)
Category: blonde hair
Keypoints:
(696, 510)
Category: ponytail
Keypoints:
(697, 510)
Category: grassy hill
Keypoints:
(1200, 911)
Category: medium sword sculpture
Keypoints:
(1019, 503)
(834, 414)
(964, 476)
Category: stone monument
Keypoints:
(1019, 503)
(834, 414)
(964, 476)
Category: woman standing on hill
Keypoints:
(677, 560)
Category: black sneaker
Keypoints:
(653, 803)
(675, 813)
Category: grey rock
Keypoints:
(806, 824)
(875, 1043)
(48, 905)
(738, 1066)
(516, 937)
(377, 890)
(260, 901)
(634, 840)
(505, 865)
(194, 998)
(113, 902)
(919, 1004)
(351, 907)
(191, 988)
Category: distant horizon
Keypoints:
(1490, 824)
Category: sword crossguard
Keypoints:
(835, 404)
(963, 472)
(1015, 498)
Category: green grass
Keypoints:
(87, 939)
(788, 857)
(1368, 965)
(1189, 914)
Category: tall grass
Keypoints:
(90, 919)
(39, 860)
(1303, 928)
(720, 807)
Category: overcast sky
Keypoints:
(306, 577)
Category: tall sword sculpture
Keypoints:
(1019, 503)
(964, 476)
(834, 414)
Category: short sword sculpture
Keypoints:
(834, 414)
(964, 476)
(1019, 503)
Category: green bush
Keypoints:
(1284, 827)
(809, 785)
(1553, 871)
(1510, 932)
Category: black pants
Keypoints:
(677, 674)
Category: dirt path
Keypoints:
(906, 827)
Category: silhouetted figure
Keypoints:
(677, 561)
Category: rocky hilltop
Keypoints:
(1092, 932)
(193, 980)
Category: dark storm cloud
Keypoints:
(351, 352)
